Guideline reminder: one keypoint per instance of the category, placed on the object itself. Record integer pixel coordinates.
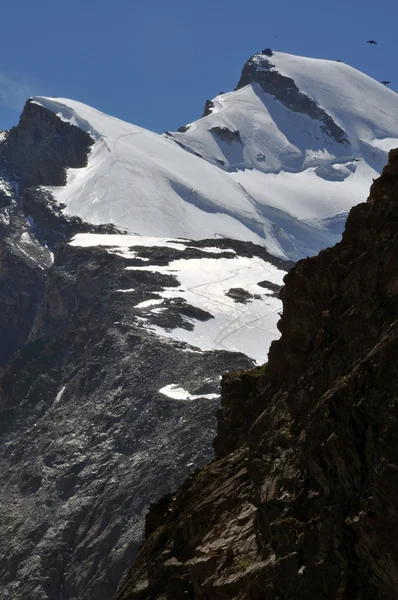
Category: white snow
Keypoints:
(148, 303)
(178, 393)
(121, 244)
(280, 183)
(301, 570)
(249, 328)
(139, 180)
(58, 397)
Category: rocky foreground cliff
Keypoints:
(301, 501)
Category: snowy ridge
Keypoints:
(257, 168)
(275, 138)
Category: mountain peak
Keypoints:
(261, 70)
(279, 161)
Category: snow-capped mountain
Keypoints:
(135, 270)
(279, 161)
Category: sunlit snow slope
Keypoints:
(278, 162)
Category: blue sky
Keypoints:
(155, 62)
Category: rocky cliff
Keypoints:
(38, 151)
(302, 501)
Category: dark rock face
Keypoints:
(87, 437)
(226, 134)
(23, 264)
(302, 501)
(37, 151)
(260, 70)
(41, 147)
(209, 105)
(273, 288)
(240, 295)
(49, 224)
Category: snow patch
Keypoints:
(147, 303)
(58, 397)
(178, 393)
(249, 328)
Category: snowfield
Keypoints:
(247, 326)
(252, 170)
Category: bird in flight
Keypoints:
(385, 82)
(371, 42)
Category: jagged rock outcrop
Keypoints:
(208, 109)
(42, 146)
(302, 500)
(23, 264)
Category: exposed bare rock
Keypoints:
(209, 106)
(42, 146)
(227, 135)
(241, 295)
(302, 501)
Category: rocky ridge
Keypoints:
(301, 501)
